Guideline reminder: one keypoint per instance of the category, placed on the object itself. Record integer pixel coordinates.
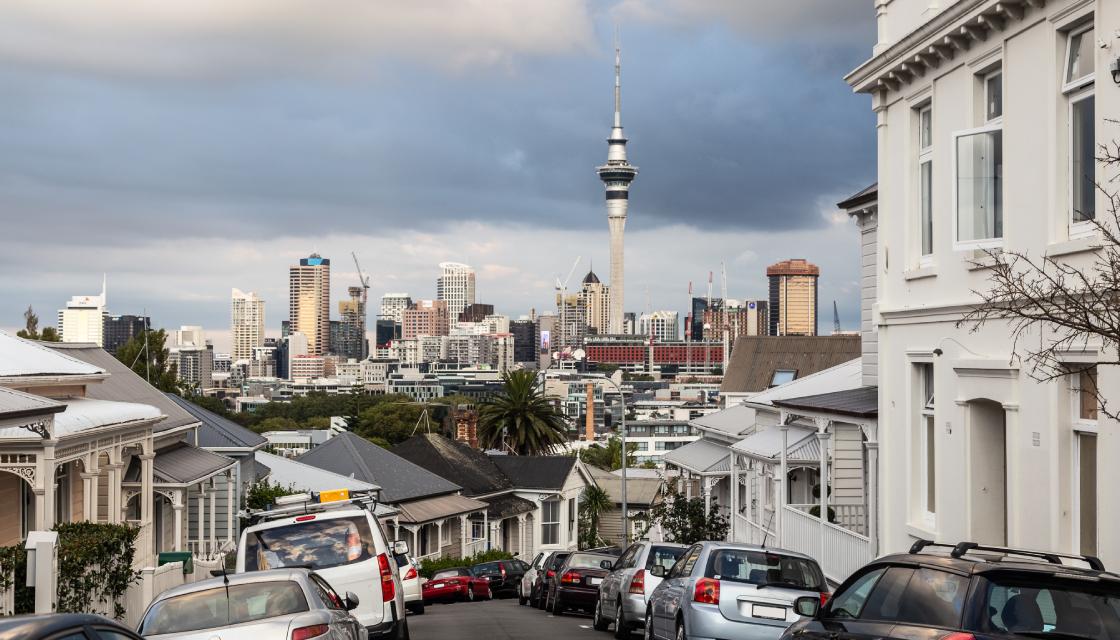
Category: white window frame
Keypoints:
(926, 401)
(546, 523)
(1079, 423)
(1077, 83)
(1075, 488)
(925, 156)
(984, 80)
(1080, 94)
(983, 243)
(445, 534)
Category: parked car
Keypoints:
(449, 585)
(504, 575)
(625, 590)
(731, 591)
(577, 580)
(337, 535)
(972, 593)
(410, 584)
(70, 626)
(545, 575)
(261, 605)
(525, 587)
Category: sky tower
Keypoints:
(617, 175)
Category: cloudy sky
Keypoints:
(185, 147)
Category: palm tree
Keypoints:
(610, 456)
(520, 418)
(592, 503)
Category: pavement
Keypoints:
(500, 619)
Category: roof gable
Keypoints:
(471, 469)
(755, 358)
(535, 472)
(351, 455)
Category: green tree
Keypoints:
(30, 329)
(50, 334)
(390, 422)
(685, 520)
(216, 405)
(610, 456)
(146, 355)
(265, 492)
(276, 424)
(519, 417)
(593, 503)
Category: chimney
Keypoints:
(589, 429)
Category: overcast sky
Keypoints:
(185, 147)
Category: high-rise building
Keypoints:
(502, 351)
(547, 325)
(309, 294)
(629, 323)
(617, 174)
(386, 331)
(425, 318)
(793, 297)
(352, 333)
(455, 286)
(596, 300)
(696, 317)
(194, 365)
(659, 325)
(744, 318)
(188, 335)
(83, 319)
(476, 312)
(571, 330)
(525, 346)
(118, 330)
(393, 305)
(246, 324)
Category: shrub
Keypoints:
(429, 567)
(94, 565)
(13, 572)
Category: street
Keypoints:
(500, 619)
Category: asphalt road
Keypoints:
(500, 620)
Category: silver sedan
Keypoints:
(731, 591)
(283, 604)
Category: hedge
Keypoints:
(429, 567)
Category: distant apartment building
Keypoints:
(744, 318)
(393, 306)
(309, 290)
(352, 338)
(118, 330)
(306, 367)
(525, 346)
(83, 319)
(455, 286)
(475, 312)
(425, 318)
(793, 297)
(633, 353)
(629, 323)
(188, 335)
(246, 324)
(694, 327)
(660, 325)
(546, 325)
(597, 302)
(194, 364)
(385, 331)
(572, 328)
(496, 323)
(502, 351)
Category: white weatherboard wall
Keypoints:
(918, 304)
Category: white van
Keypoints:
(339, 537)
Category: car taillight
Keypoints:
(410, 574)
(706, 591)
(550, 574)
(959, 635)
(314, 631)
(304, 519)
(388, 590)
(638, 582)
(824, 597)
(571, 577)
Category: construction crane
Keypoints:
(562, 290)
(835, 318)
(723, 315)
(364, 279)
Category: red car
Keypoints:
(448, 585)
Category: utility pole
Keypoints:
(835, 318)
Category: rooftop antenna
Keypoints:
(835, 318)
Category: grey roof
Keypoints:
(218, 432)
(261, 471)
(734, 420)
(17, 404)
(22, 358)
(507, 505)
(351, 455)
(469, 468)
(755, 358)
(865, 196)
(702, 456)
(438, 507)
(181, 463)
(123, 385)
(766, 444)
(859, 403)
(535, 472)
(292, 473)
(640, 491)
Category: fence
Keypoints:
(156, 580)
(839, 551)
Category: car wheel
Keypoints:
(621, 629)
(598, 622)
(557, 606)
(681, 634)
(418, 608)
(489, 593)
(648, 632)
(470, 594)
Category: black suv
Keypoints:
(504, 575)
(974, 592)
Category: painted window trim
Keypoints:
(984, 243)
(1085, 227)
(1073, 85)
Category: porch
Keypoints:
(441, 526)
(707, 463)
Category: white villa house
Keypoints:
(989, 117)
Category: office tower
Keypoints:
(385, 331)
(425, 318)
(793, 297)
(525, 346)
(352, 337)
(118, 330)
(572, 326)
(696, 318)
(476, 312)
(309, 290)
(455, 286)
(596, 300)
(393, 305)
(659, 325)
(188, 335)
(617, 175)
(629, 323)
(246, 324)
(83, 319)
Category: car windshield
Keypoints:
(557, 560)
(587, 560)
(664, 556)
(450, 573)
(210, 609)
(486, 568)
(764, 569)
(319, 544)
(1060, 608)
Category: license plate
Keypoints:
(770, 613)
(438, 585)
(595, 581)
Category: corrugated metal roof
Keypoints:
(19, 358)
(847, 375)
(439, 507)
(17, 404)
(767, 441)
(303, 477)
(350, 455)
(181, 463)
(734, 420)
(218, 432)
(535, 472)
(640, 491)
(507, 505)
(469, 468)
(755, 358)
(123, 385)
(859, 403)
(702, 456)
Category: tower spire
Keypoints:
(617, 80)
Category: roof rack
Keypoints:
(962, 548)
(286, 506)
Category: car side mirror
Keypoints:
(351, 601)
(807, 606)
(400, 548)
(607, 564)
(658, 571)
